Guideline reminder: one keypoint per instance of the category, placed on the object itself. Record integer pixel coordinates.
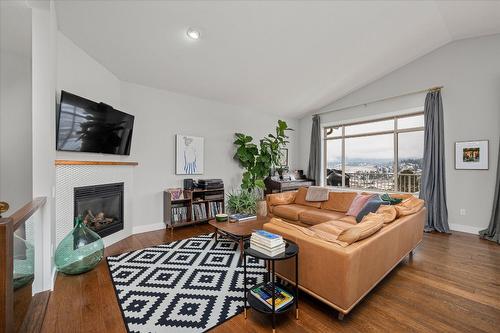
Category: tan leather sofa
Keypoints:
(339, 276)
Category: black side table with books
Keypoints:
(278, 293)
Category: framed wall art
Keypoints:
(189, 154)
(471, 155)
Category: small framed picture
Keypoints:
(471, 155)
(284, 157)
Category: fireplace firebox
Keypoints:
(101, 207)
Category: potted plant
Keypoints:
(257, 161)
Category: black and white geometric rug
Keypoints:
(191, 285)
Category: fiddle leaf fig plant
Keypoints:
(257, 160)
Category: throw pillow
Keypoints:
(358, 203)
(361, 231)
(317, 193)
(371, 206)
(392, 201)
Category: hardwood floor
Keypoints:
(452, 284)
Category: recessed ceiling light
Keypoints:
(193, 33)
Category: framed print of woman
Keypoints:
(189, 155)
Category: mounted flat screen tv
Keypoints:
(87, 126)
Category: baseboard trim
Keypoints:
(465, 228)
(148, 227)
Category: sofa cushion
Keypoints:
(300, 198)
(349, 219)
(409, 206)
(371, 206)
(362, 230)
(284, 198)
(290, 212)
(339, 201)
(315, 216)
(388, 212)
(358, 203)
(331, 228)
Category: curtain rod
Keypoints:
(432, 89)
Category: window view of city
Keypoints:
(363, 156)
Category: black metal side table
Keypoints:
(291, 250)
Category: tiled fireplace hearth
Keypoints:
(100, 194)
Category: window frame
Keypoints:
(395, 131)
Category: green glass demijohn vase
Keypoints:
(80, 251)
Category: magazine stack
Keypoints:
(264, 293)
(267, 243)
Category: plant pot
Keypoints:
(261, 208)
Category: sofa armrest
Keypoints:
(284, 198)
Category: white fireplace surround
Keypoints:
(70, 176)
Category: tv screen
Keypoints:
(87, 126)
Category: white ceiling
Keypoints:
(275, 56)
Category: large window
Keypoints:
(384, 154)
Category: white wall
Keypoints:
(44, 27)
(469, 70)
(159, 115)
(15, 105)
(82, 75)
(15, 129)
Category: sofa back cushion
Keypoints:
(339, 201)
(362, 230)
(300, 198)
(358, 203)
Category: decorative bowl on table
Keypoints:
(221, 217)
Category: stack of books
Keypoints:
(267, 243)
(264, 294)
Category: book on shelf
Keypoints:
(199, 212)
(179, 214)
(215, 208)
(242, 217)
(264, 294)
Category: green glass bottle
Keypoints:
(80, 251)
(24, 262)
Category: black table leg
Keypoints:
(245, 282)
(274, 296)
(297, 286)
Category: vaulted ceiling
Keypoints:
(275, 56)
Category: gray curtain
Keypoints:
(314, 170)
(493, 231)
(433, 188)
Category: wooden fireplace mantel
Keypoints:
(72, 162)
